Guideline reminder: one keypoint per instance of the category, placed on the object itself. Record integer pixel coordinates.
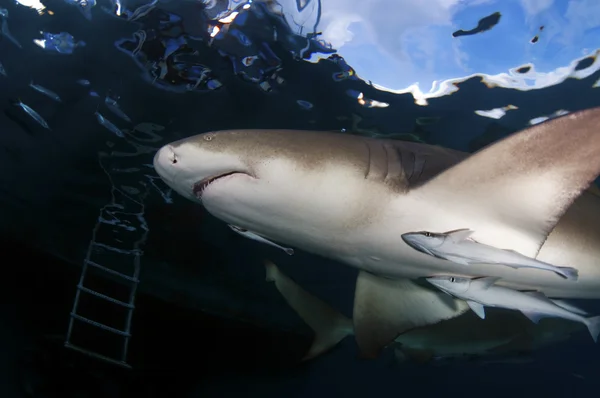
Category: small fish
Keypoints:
(94, 94)
(305, 104)
(116, 109)
(84, 82)
(108, 125)
(534, 305)
(258, 238)
(458, 247)
(45, 91)
(2, 70)
(6, 33)
(36, 116)
(85, 7)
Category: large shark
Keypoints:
(351, 198)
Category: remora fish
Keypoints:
(534, 305)
(116, 109)
(503, 332)
(258, 238)
(36, 116)
(458, 247)
(108, 125)
(6, 33)
(349, 198)
(45, 91)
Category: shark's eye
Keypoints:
(174, 159)
(428, 234)
(452, 279)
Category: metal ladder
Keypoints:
(117, 226)
(133, 280)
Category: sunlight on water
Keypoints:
(35, 4)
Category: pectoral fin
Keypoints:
(477, 309)
(329, 325)
(385, 308)
(515, 190)
(534, 316)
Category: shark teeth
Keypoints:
(201, 185)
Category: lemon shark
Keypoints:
(350, 198)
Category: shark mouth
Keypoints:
(201, 185)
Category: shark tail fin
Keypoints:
(593, 325)
(329, 325)
(569, 273)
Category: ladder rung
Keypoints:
(100, 325)
(105, 297)
(114, 249)
(111, 271)
(97, 356)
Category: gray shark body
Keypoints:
(350, 198)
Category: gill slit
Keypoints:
(386, 162)
(421, 166)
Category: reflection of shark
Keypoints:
(350, 198)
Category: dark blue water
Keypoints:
(215, 331)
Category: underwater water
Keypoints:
(91, 90)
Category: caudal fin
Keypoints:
(329, 325)
(593, 325)
(569, 273)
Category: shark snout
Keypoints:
(416, 241)
(410, 239)
(164, 160)
(437, 281)
(171, 169)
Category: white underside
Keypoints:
(285, 212)
(379, 249)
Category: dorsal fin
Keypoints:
(514, 191)
(459, 234)
(487, 281)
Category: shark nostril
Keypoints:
(173, 158)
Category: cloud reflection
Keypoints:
(403, 45)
